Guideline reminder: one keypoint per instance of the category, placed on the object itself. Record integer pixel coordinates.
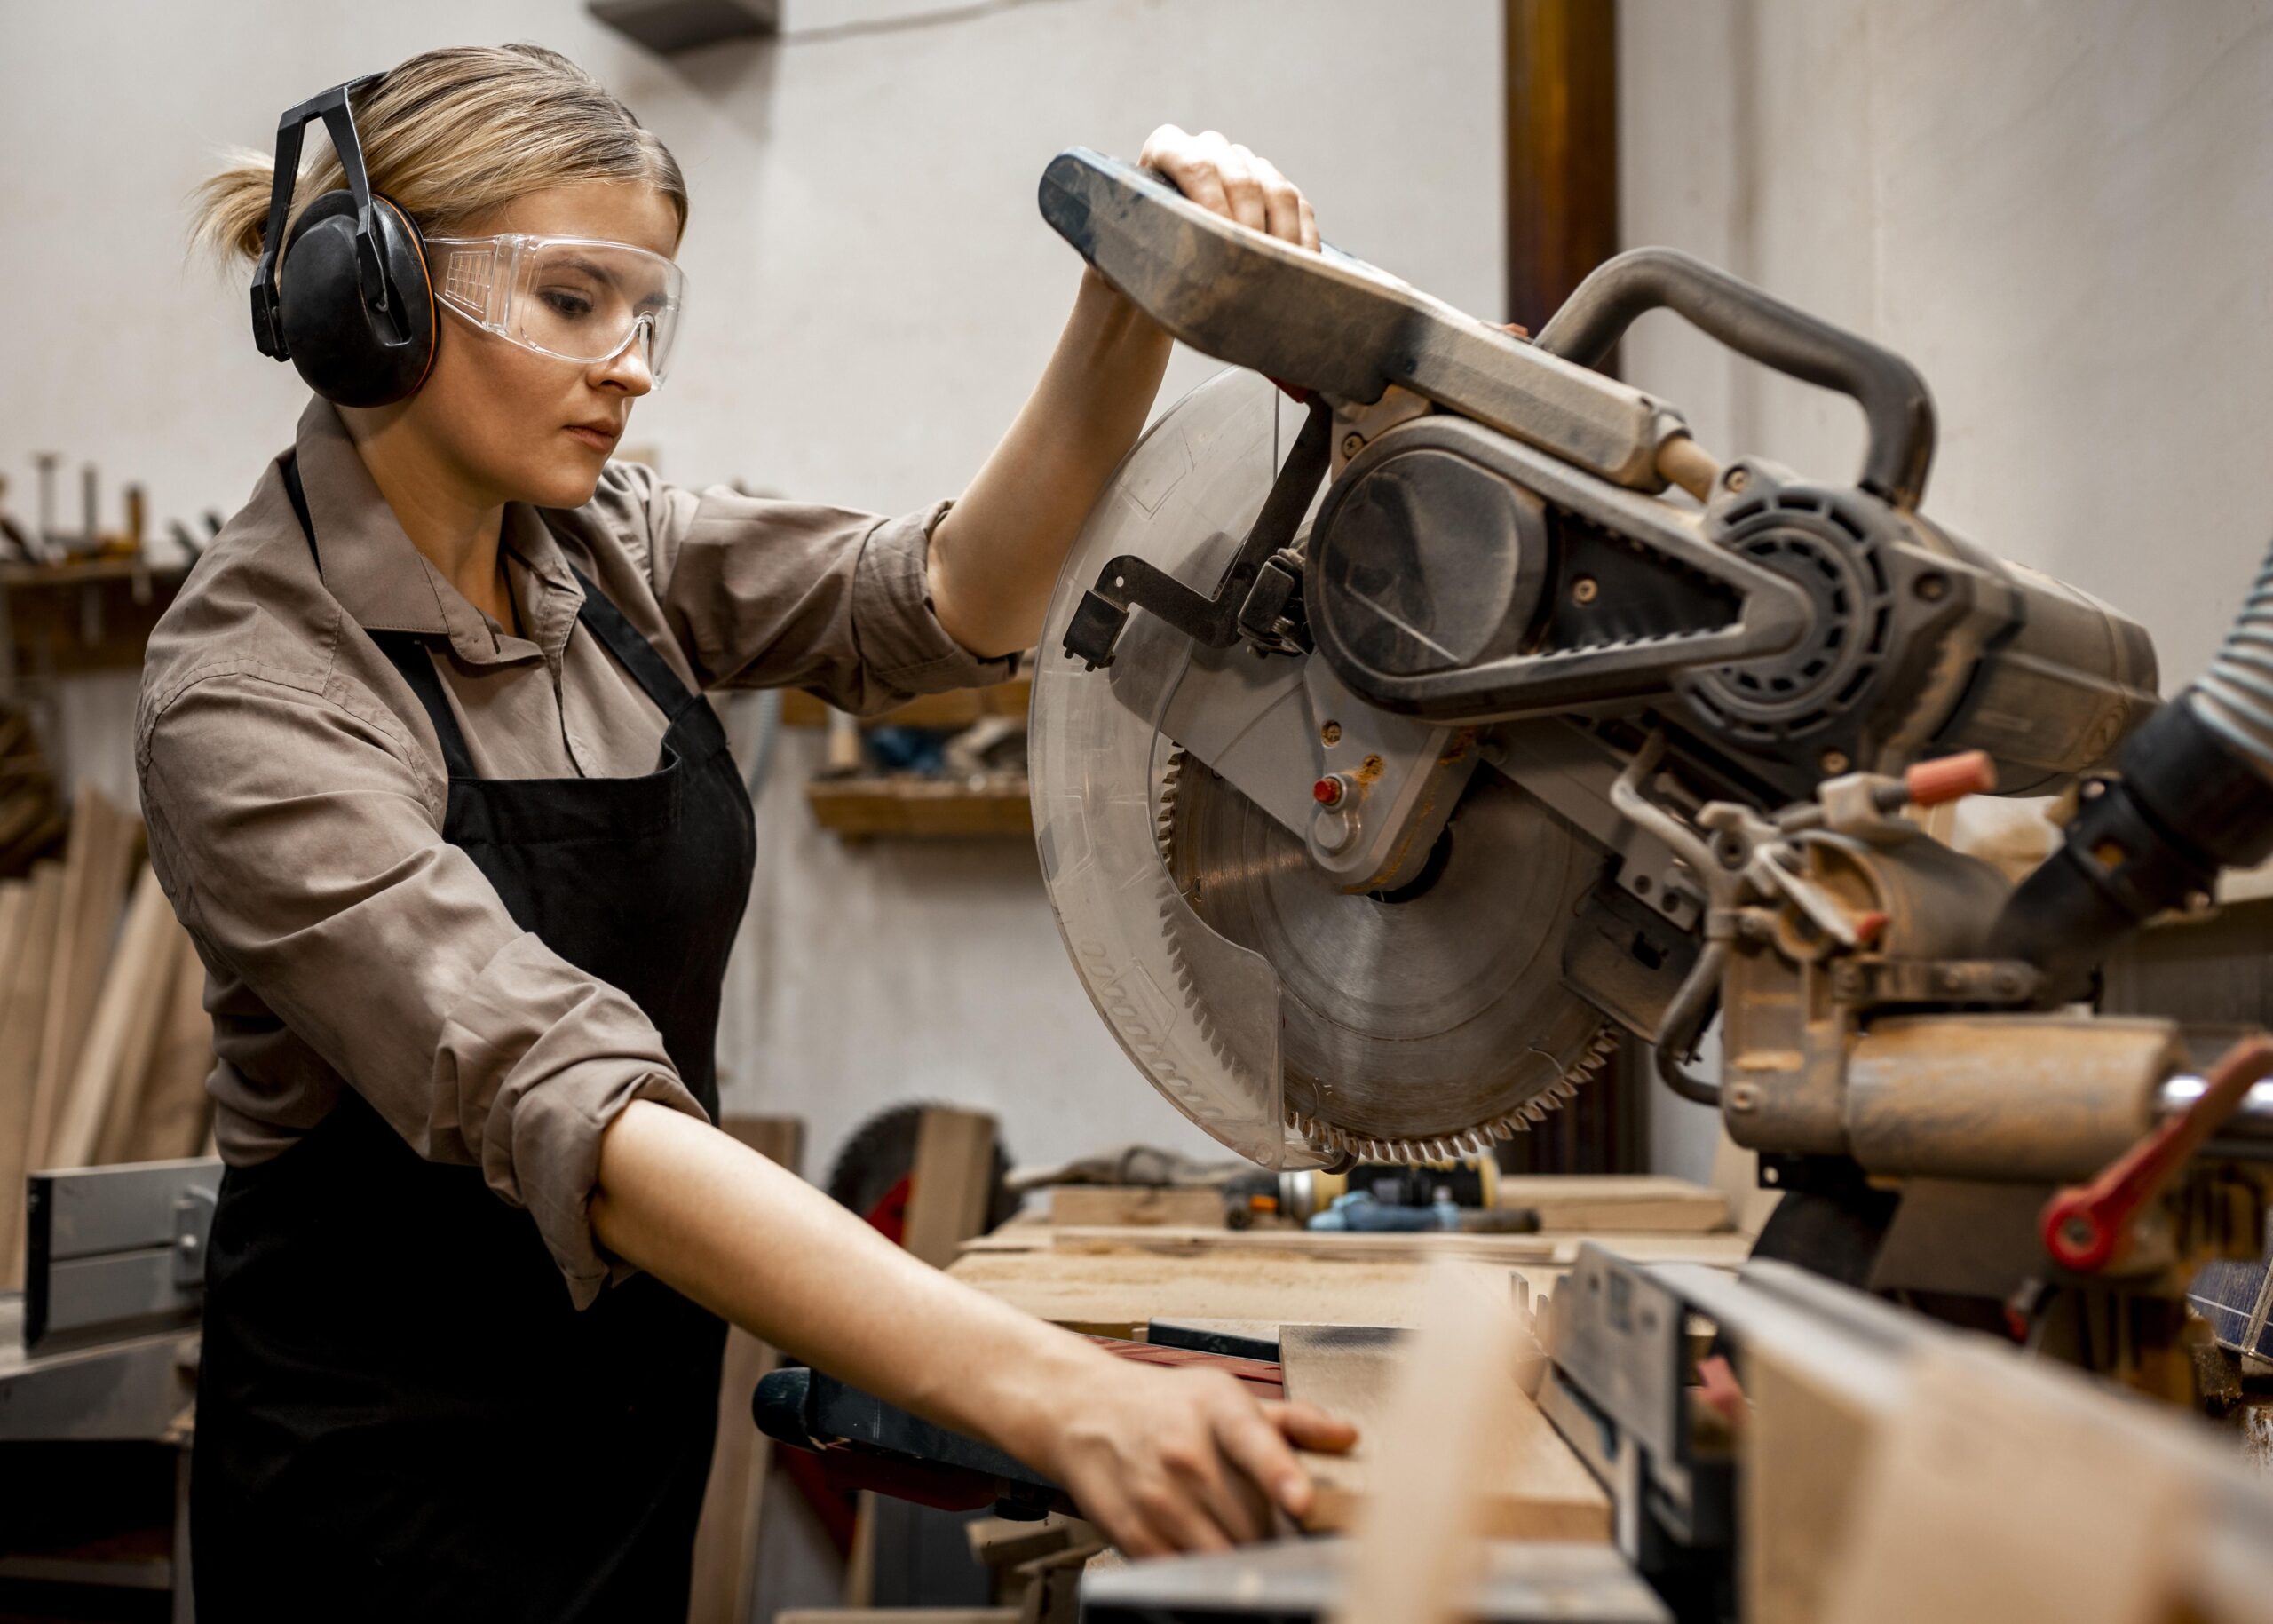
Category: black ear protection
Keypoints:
(356, 315)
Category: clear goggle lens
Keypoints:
(575, 298)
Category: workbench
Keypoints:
(1331, 1304)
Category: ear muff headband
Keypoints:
(359, 320)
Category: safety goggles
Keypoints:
(576, 299)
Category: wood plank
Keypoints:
(1119, 1206)
(898, 1616)
(120, 1027)
(1529, 1485)
(1615, 1203)
(909, 804)
(1726, 1248)
(1118, 1294)
(16, 929)
(957, 707)
(23, 1005)
(130, 1098)
(952, 1181)
(176, 1107)
(96, 864)
(725, 1539)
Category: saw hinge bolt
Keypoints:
(1331, 790)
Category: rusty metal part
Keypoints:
(2012, 1098)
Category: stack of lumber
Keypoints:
(30, 820)
(104, 1044)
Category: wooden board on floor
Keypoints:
(725, 1539)
(120, 1027)
(23, 1005)
(1536, 1487)
(952, 1182)
(1121, 1206)
(176, 1107)
(96, 864)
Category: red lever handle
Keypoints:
(2087, 1227)
(1950, 778)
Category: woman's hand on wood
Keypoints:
(1181, 1459)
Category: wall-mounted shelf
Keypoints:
(668, 26)
(959, 708)
(95, 614)
(905, 804)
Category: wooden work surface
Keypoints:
(1113, 1282)
(1537, 1488)
(1355, 1245)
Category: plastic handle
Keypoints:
(1760, 326)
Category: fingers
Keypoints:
(1188, 161)
(1308, 1427)
(1258, 1446)
(1282, 203)
(1226, 177)
(1236, 165)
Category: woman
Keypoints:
(429, 781)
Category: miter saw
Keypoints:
(1408, 729)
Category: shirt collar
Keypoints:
(378, 574)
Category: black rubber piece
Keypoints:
(1211, 621)
(1896, 405)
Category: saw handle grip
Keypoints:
(1896, 407)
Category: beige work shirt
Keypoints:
(295, 791)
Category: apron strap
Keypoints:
(405, 650)
(632, 651)
(300, 505)
(408, 653)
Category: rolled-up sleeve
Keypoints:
(297, 841)
(762, 593)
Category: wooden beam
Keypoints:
(725, 1539)
(120, 1026)
(95, 863)
(1562, 146)
(1116, 1206)
(953, 1183)
(176, 1108)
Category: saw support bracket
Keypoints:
(1216, 622)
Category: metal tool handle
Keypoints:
(1895, 403)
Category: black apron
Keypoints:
(399, 1415)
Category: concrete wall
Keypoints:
(873, 293)
(2061, 213)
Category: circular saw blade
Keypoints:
(1416, 1025)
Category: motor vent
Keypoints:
(1810, 538)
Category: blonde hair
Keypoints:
(452, 134)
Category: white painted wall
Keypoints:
(2060, 211)
(872, 294)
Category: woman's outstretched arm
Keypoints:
(996, 555)
(1162, 1460)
